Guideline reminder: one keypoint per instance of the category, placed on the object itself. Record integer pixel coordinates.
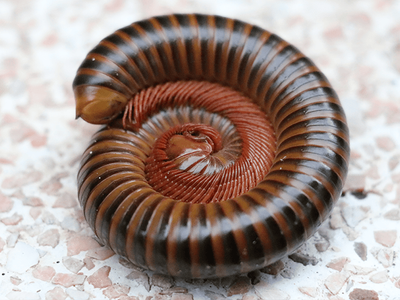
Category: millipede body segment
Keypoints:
(223, 149)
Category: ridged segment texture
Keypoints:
(300, 156)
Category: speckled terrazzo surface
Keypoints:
(46, 249)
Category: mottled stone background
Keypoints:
(47, 250)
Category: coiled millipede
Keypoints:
(223, 151)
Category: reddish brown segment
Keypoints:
(224, 151)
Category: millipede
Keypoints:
(222, 150)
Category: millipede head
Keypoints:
(98, 105)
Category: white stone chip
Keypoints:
(72, 264)
(71, 223)
(17, 295)
(267, 292)
(354, 215)
(21, 258)
(77, 295)
(12, 239)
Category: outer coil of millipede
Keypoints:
(224, 147)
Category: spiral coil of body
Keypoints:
(161, 71)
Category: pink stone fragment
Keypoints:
(65, 200)
(362, 19)
(333, 33)
(360, 294)
(100, 253)
(386, 238)
(397, 283)
(15, 280)
(385, 143)
(22, 179)
(388, 188)
(5, 161)
(6, 204)
(45, 273)
(8, 118)
(79, 243)
(354, 182)
(21, 132)
(68, 280)
(115, 5)
(393, 214)
(115, 291)
(354, 155)
(309, 291)
(52, 186)
(338, 263)
(18, 194)
(100, 279)
(373, 172)
(32, 201)
(88, 263)
(50, 40)
(38, 140)
(393, 162)
(50, 238)
(336, 281)
(35, 212)
(56, 294)
(13, 220)
(379, 277)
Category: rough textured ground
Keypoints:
(47, 250)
